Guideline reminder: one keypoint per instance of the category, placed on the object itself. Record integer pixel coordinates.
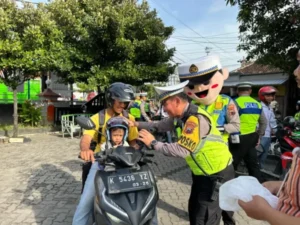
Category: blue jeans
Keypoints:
(265, 142)
(85, 207)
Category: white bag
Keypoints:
(243, 188)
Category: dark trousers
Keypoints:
(202, 210)
(246, 151)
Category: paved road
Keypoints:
(40, 183)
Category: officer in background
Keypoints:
(297, 115)
(200, 144)
(145, 108)
(135, 109)
(251, 114)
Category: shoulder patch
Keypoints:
(232, 110)
(190, 137)
(218, 105)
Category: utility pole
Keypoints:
(207, 50)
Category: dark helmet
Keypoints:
(289, 121)
(117, 122)
(119, 91)
(298, 102)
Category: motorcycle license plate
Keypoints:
(128, 182)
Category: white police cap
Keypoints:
(245, 84)
(202, 66)
(165, 92)
(143, 94)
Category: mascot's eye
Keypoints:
(206, 82)
(191, 87)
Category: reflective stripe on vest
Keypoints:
(135, 109)
(218, 111)
(212, 153)
(249, 111)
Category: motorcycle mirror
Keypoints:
(85, 123)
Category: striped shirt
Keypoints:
(289, 198)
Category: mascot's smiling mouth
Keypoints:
(202, 94)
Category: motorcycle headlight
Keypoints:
(114, 219)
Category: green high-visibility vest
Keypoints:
(249, 111)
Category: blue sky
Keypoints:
(199, 24)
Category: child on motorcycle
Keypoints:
(116, 133)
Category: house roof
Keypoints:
(269, 81)
(255, 68)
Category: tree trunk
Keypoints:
(15, 130)
(71, 89)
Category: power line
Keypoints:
(203, 42)
(181, 39)
(192, 37)
(204, 52)
(187, 25)
(222, 34)
(178, 58)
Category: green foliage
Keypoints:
(30, 114)
(29, 42)
(111, 41)
(270, 31)
(149, 88)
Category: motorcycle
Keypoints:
(288, 138)
(280, 155)
(126, 191)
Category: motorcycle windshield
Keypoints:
(126, 155)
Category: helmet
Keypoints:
(116, 122)
(289, 121)
(266, 90)
(119, 91)
(298, 102)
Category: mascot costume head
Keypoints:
(206, 78)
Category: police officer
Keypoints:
(135, 109)
(145, 109)
(200, 144)
(251, 114)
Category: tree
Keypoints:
(270, 31)
(113, 41)
(29, 43)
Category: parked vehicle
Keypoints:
(278, 162)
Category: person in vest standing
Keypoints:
(118, 97)
(201, 145)
(145, 109)
(135, 109)
(288, 190)
(267, 95)
(251, 114)
(206, 78)
(297, 115)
